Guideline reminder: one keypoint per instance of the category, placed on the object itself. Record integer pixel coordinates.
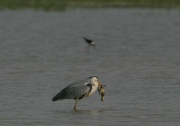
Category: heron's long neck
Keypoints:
(94, 88)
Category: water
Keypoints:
(137, 57)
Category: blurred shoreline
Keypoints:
(62, 5)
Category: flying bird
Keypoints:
(90, 43)
(79, 90)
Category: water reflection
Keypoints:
(93, 112)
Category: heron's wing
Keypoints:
(77, 89)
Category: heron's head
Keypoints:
(95, 81)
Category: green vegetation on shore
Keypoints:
(64, 4)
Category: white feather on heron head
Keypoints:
(95, 81)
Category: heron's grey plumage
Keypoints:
(79, 90)
(73, 90)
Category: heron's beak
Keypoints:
(99, 84)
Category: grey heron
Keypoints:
(90, 43)
(80, 89)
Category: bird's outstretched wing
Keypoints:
(88, 40)
(77, 89)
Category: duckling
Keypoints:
(101, 92)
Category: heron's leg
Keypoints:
(76, 103)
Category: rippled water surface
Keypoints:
(137, 56)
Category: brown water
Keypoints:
(137, 57)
